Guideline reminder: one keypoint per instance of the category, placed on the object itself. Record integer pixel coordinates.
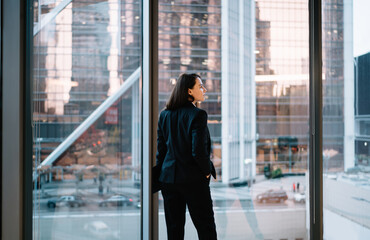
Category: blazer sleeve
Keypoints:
(161, 144)
(200, 142)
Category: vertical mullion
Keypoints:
(154, 105)
(315, 116)
(27, 124)
(1, 116)
(150, 116)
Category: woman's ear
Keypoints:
(189, 91)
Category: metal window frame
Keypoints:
(1, 115)
(315, 119)
(16, 189)
(149, 214)
(28, 129)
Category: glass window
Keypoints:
(254, 61)
(87, 119)
(346, 119)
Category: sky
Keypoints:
(361, 27)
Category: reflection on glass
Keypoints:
(346, 135)
(253, 59)
(87, 119)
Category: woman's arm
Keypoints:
(161, 144)
(200, 142)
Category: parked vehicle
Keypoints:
(272, 196)
(116, 200)
(100, 230)
(70, 201)
(300, 197)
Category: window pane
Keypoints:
(346, 119)
(87, 119)
(254, 61)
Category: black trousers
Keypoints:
(197, 196)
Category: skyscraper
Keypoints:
(282, 85)
(82, 56)
(362, 110)
(215, 39)
(338, 85)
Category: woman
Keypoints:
(183, 155)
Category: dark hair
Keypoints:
(180, 96)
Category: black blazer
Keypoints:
(184, 145)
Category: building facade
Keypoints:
(362, 110)
(282, 85)
(253, 58)
(215, 39)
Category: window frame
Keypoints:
(16, 189)
(315, 121)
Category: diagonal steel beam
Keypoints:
(90, 120)
(50, 16)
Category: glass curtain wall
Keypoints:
(253, 58)
(282, 64)
(87, 119)
(346, 119)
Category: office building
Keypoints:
(362, 110)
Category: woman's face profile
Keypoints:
(198, 91)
